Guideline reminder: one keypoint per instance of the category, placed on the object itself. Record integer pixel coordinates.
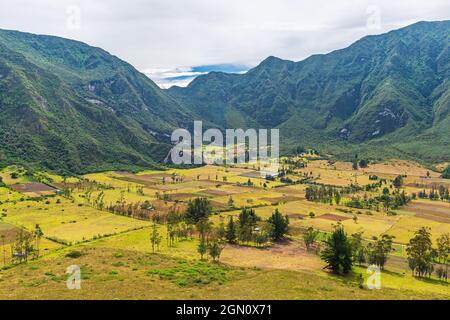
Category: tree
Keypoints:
(230, 202)
(442, 190)
(443, 250)
(198, 209)
(22, 247)
(230, 232)
(155, 238)
(420, 253)
(38, 234)
(337, 198)
(215, 249)
(247, 223)
(379, 249)
(278, 225)
(398, 182)
(337, 252)
(310, 237)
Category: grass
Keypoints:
(196, 273)
(146, 276)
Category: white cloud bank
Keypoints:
(166, 34)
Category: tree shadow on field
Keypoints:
(433, 281)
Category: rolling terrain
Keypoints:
(103, 222)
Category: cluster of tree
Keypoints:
(212, 239)
(84, 185)
(328, 194)
(359, 164)
(294, 163)
(422, 255)
(247, 222)
(340, 251)
(446, 173)
(155, 237)
(287, 180)
(138, 210)
(310, 238)
(26, 245)
(442, 193)
(284, 171)
(164, 196)
(177, 228)
(386, 200)
(375, 186)
(246, 228)
(398, 182)
(249, 183)
(140, 190)
(197, 210)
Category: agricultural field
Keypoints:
(106, 224)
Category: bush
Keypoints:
(74, 254)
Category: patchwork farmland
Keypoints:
(119, 228)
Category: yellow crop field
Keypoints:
(67, 221)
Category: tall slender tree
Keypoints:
(230, 233)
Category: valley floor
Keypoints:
(115, 256)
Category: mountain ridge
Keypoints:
(382, 87)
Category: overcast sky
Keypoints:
(174, 40)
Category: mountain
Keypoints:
(74, 108)
(384, 96)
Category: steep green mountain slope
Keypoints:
(385, 95)
(70, 107)
(74, 108)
